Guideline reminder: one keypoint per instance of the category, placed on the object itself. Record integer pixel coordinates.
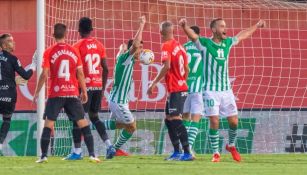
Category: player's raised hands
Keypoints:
(183, 22)
(261, 23)
(142, 20)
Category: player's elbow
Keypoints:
(194, 38)
(28, 75)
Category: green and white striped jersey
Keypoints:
(122, 78)
(195, 78)
(215, 71)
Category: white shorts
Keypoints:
(121, 113)
(220, 103)
(194, 104)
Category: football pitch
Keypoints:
(155, 165)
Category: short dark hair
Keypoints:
(195, 29)
(213, 22)
(130, 42)
(85, 25)
(3, 37)
(59, 30)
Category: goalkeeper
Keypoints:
(9, 64)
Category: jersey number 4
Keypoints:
(93, 61)
(64, 70)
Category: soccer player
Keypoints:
(95, 69)
(175, 70)
(217, 93)
(9, 64)
(121, 116)
(66, 75)
(193, 105)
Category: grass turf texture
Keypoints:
(155, 165)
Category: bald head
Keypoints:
(166, 28)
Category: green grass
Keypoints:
(155, 165)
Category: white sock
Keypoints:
(108, 143)
(77, 150)
(1, 146)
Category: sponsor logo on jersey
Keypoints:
(56, 88)
(68, 87)
(181, 82)
(87, 80)
(4, 87)
(6, 99)
(2, 58)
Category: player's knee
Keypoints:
(233, 123)
(214, 122)
(49, 124)
(131, 128)
(82, 123)
(186, 116)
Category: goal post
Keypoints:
(40, 42)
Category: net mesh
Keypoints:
(267, 71)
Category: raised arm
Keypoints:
(187, 30)
(244, 34)
(122, 49)
(138, 36)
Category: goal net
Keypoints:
(267, 71)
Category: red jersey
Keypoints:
(175, 78)
(63, 61)
(91, 52)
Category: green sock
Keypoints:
(186, 124)
(214, 140)
(192, 132)
(123, 137)
(110, 124)
(232, 134)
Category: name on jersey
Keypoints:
(6, 99)
(91, 46)
(59, 53)
(177, 49)
(191, 47)
(2, 58)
